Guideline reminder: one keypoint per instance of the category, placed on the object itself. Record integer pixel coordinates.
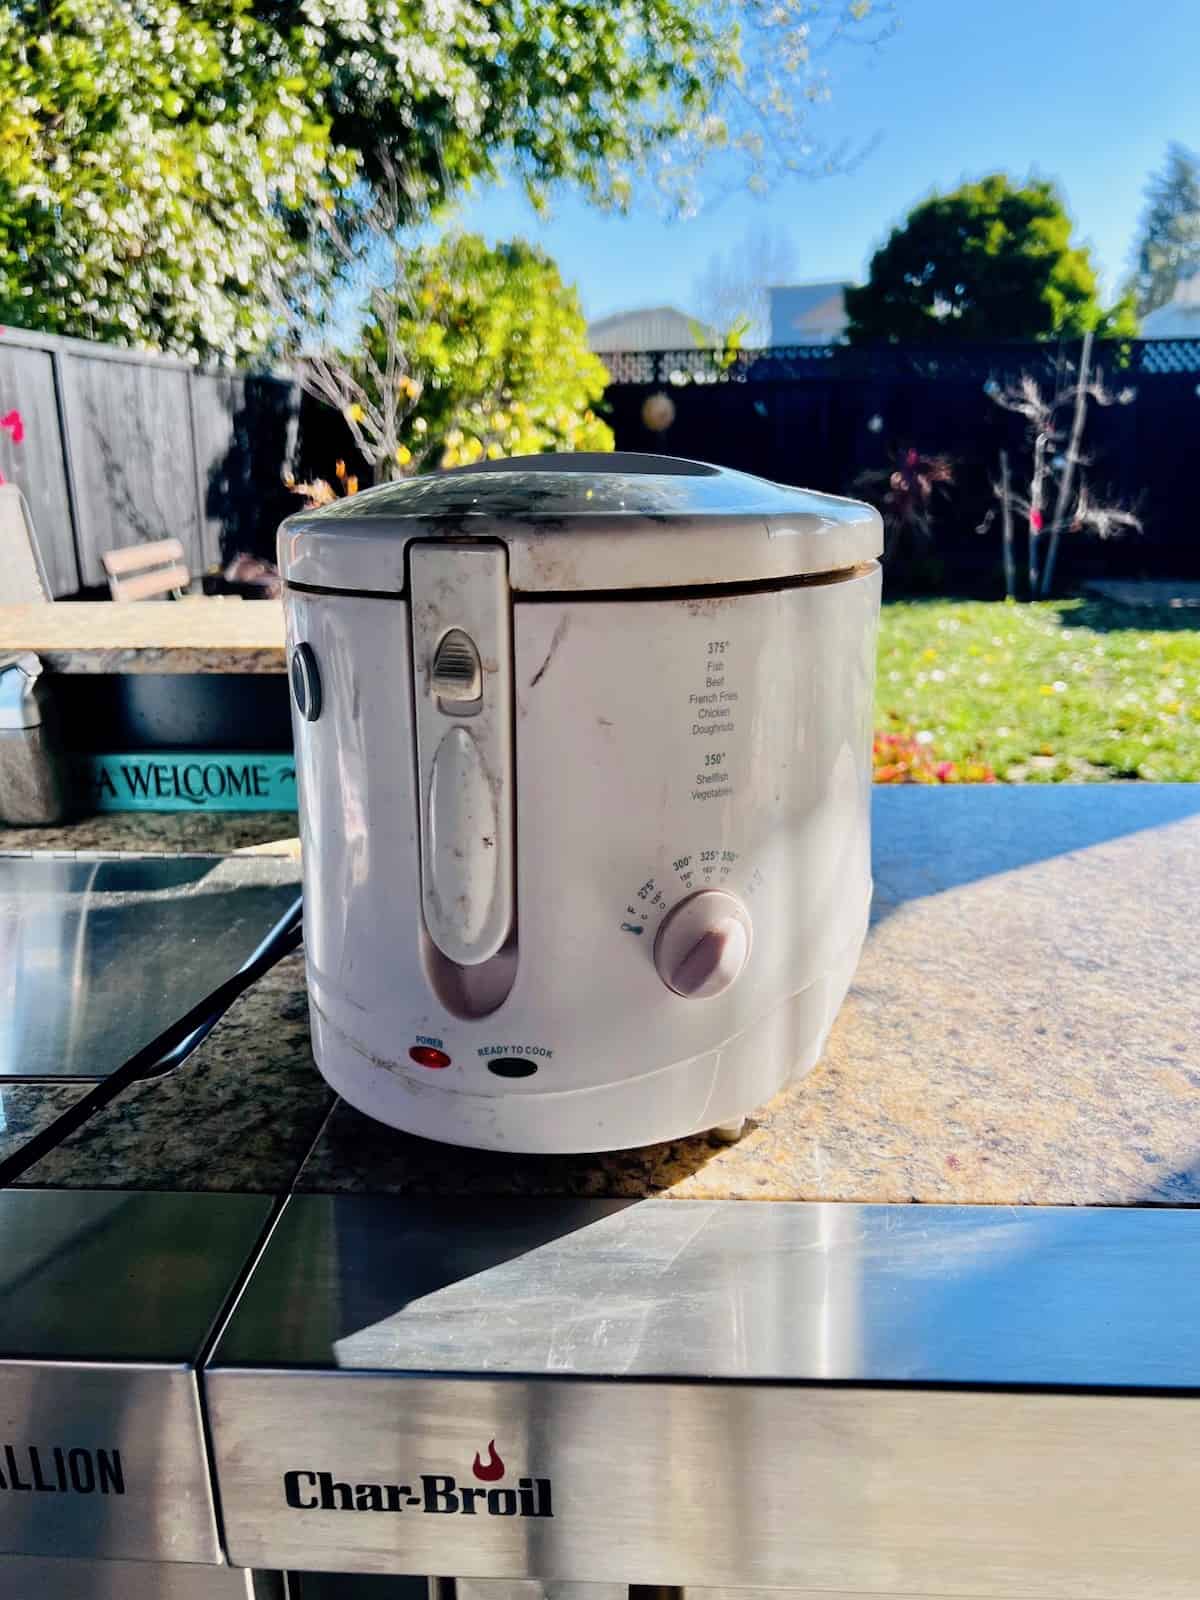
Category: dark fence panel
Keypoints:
(824, 416)
(223, 453)
(1148, 452)
(324, 440)
(1132, 358)
(245, 429)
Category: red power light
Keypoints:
(426, 1056)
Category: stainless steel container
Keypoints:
(33, 777)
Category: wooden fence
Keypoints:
(120, 448)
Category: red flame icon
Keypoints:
(494, 1468)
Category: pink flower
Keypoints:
(14, 425)
(1036, 520)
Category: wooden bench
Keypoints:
(147, 571)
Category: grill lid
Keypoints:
(586, 523)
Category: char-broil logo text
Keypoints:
(430, 1493)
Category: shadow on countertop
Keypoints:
(927, 840)
(356, 1154)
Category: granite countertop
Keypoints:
(1024, 1029)
(25, 1109)
(237, 1117)
(218, 832)
(206, 634)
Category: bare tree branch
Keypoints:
(1073, 509)
(1067, 481)
(357, 255)
(1010, 565)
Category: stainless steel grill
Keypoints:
(872, 1400)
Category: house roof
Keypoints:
(1180, 317)
(647, 328)
(817, 291)
(616, 317)
(808, 308)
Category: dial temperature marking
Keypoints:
(696, 870)
(637, 913)
(716, 863)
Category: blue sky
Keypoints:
(1087, 92)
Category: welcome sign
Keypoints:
(189, 781)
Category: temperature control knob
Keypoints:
(702, 944)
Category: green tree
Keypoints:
(472, 351)
(991, 260)
(143, 183)
(1168, 246)
(498, 345)
(157, 156)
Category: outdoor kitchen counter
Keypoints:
(1024, 1029)
(237, 1117)
(212, 1125)
(169, 832)
(191, 635)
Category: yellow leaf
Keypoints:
(403, 454)
(354, 413)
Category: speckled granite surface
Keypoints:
(218, 831)
(238, 1116)
(1024, 1028)
(26, 1108)
(191, 635)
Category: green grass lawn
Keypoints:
(1066, 689)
